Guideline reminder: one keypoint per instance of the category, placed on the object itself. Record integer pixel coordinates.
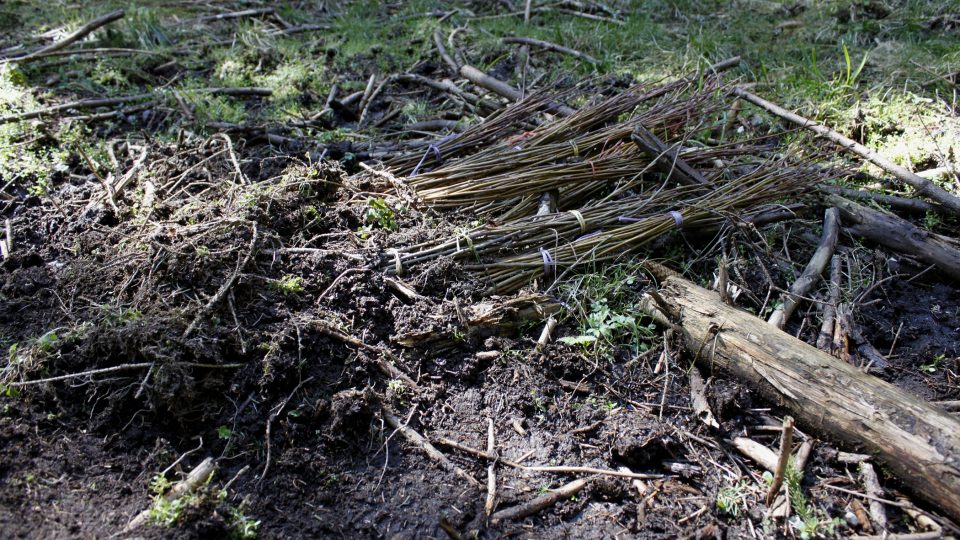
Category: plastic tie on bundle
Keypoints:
(547, 261)
(436, 152)
(677, 217)
(588, 235)
(580, 219)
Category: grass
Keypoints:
(824, 58)
(605, 307)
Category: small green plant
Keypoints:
(604, 328)
(224, 433)
(242, 526)
(584, 341)
(806, 520)
(165, 512)
(47, 342)
(289, 285)
(397, 387)
(933, 366)
(731, 500)
(379, 215)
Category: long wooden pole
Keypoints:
(917, 442)
(922, 185)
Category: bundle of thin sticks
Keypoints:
(578, 155)
(765, 184)
(611, 165)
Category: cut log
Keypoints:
(899, 235)
(917, 442)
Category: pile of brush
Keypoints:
(595, 185)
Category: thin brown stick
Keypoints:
(811, 274)
(438, 42)
(81, 104)
(922, 185)
(236, 14)
(420, 442)
(786, 447)
(273, 416)
(552, 469)
(539, 503)
(491, 470)
(552, 47)
(233, 158)
(373, 97)
(77, 35)
(384, 359)
(115, 369)
(591, 16)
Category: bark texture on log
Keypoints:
(919, 443)
(899, 235)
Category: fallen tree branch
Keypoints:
(77, 35)
(438, 42)
(899, 235)
(811, 274)
(539, 503)
(922, 185)
(420, 442)
(552, 47)
(916, 441)
(901, 203)
(825, 338)
(499, 87)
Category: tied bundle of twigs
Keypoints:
(505, 128)
(771, 181)
(531, 231)
(557, 157)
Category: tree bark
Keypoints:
(917, 442)
(899, 235)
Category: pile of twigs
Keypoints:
(610, 167)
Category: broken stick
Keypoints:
(539, 503)
(77, 35)
(811, 274)
(417, 440)
(899, 235)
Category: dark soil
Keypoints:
(249, 321)
(78, 454)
